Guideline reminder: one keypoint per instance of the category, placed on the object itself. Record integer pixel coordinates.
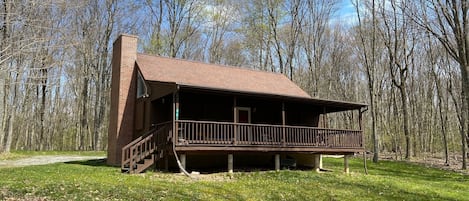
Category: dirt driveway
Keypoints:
(42, 160)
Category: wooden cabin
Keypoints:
(206, 115)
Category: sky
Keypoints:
(346, 13)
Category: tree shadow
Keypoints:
(92, 162)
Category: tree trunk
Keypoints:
(12, 113)
(373, 124)
(42, 108)
(84, 113)
(3, 43)
(442, 118)
(9, 136)
(464, 129)
(371, 90)
(405, 114)
(4, 119)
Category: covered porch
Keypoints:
(231, 138)
(230, 123)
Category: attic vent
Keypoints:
(141, 87)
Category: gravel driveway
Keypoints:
(42, 160)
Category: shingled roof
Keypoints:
(203, 75)
(227, 78)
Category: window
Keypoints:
(141, 87)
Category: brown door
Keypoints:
(243, 133)
(244, 115)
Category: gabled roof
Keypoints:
(203, 75)
(231, 79)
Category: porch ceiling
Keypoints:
(329, 105)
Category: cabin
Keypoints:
(165, 110)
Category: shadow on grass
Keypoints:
(93, 162)
(397, 193)
(417, 172)
(405, 169)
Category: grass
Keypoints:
(24, 154)
(93, 180)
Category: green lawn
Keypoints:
(93, 180)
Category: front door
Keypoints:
(243, 116)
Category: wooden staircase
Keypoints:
(143, 152)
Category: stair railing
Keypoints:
(144, 146)
(138, 150)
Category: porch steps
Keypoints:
(142, 157)
(143, 152)
(140, 166)
(144, 164)
(138, 155)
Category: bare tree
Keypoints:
(24, 37)
(274, 16)
(314, 41)
(255, 35)
(400, 43)
(448, 22)
(443, 111)
(369, 52)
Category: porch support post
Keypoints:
(235, 120)
(230, 163)
(283, 124)
(277, 162)
(360, 126)
(360, 121)
(320, 161)
(346, 168)
(362, 136)
(182, 158)
(175, 115)
(324, 117)
(316, 163)
(166, 163)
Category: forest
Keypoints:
(408, 60)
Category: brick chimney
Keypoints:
(123, 96)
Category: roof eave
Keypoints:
(333, 105)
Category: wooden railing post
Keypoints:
(123, 158)
(235, 120)
(283, 125)
(131, 163)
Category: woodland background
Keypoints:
(407, 59)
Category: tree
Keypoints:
(448, 22)
(369, 57)
(174, 23)
(314, 39)
(442, 110)
(400, 43)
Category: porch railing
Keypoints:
(241, 134)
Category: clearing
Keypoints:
(42, 160)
